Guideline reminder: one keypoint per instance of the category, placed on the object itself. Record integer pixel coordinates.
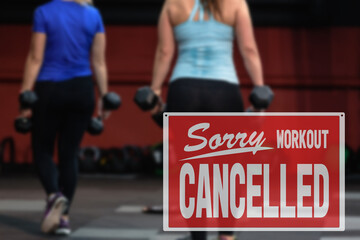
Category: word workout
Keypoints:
(254, 172)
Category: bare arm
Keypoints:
(247, 44)
(34, 61)
(164, 51)
(99, 63)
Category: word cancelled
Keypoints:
(252, 172)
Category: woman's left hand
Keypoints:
(25, 113)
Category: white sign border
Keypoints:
(341, 116)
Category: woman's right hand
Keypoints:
(104, 114)
(160, 105)
(157, 91)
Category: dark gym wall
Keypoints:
(285, 13)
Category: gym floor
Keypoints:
(110, 208)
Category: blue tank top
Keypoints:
(70, 29)
(205, 49)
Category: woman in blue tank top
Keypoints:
(66, 34)
(204, 78)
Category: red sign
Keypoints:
(251, 172)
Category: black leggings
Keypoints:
(61, 115)
(202, 95)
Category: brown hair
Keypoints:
(212, 5)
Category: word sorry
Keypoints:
(251, 143)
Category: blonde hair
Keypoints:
(85, 1)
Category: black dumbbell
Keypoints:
(96, 126)
(23, 125)
(27, 100)
(111, 101)
(146, 99)
(261, 97)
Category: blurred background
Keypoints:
(311, 56)
(310, 51)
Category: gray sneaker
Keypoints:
(54, 209)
